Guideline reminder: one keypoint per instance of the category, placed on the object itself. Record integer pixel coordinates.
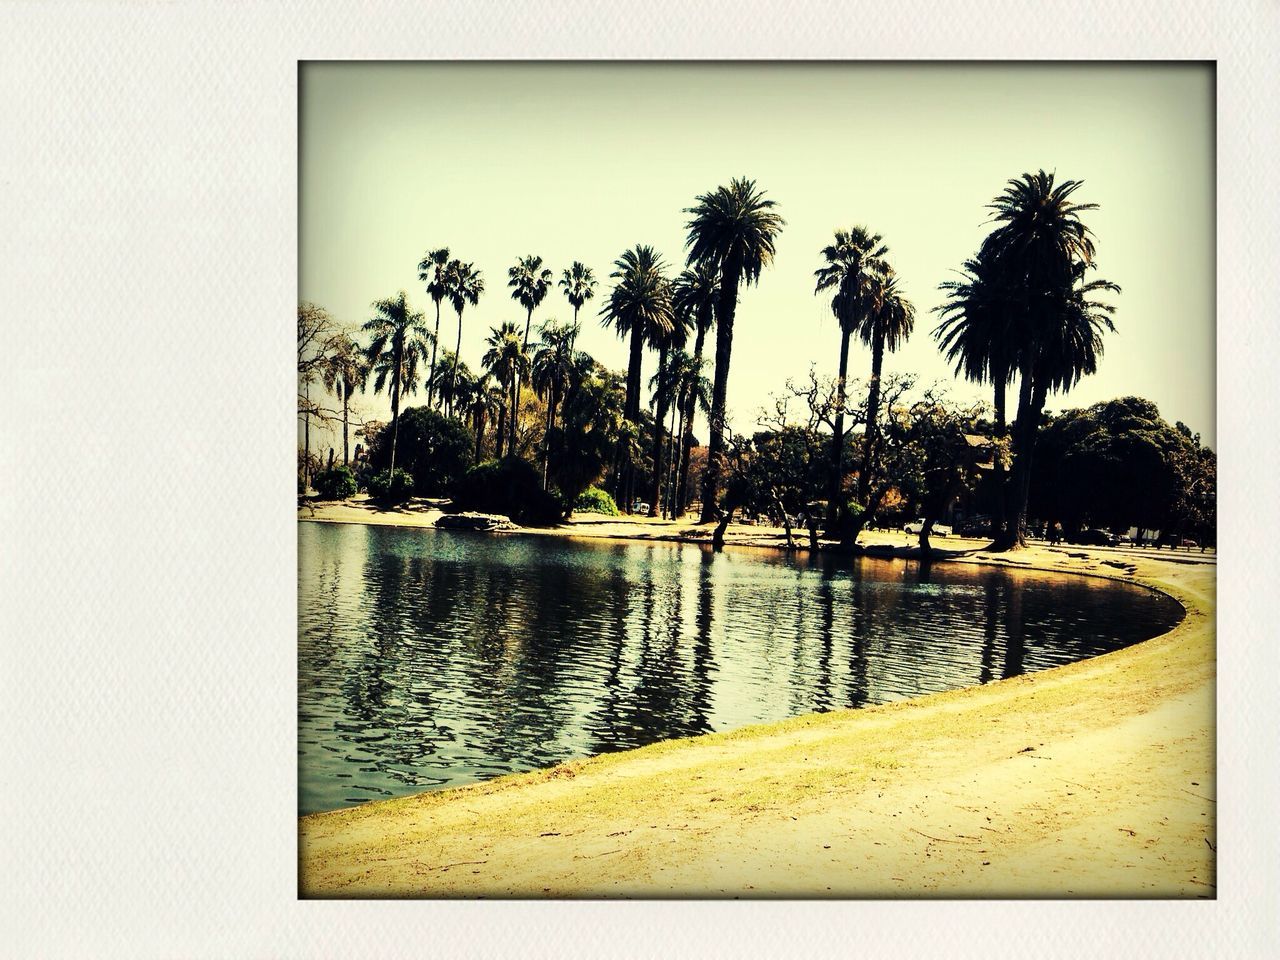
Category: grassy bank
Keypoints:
(1087, 780)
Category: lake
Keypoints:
(429, 658)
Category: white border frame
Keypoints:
(147, 532)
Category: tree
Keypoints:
(587, 436)
(579, 285)
(316, 336)
(434, 271)
(662, 385)
(639, 307)
(508, 362)
(400, 340)
(976, 334)
(529, 282)
(1041, 250)
(692, 389)
(694, 293)
(732, 231)
(434, 448)
(344, 370)
(853, 265)
(465, 285)
(552, 372)
(886, 326)
(934, 461)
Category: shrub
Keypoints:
(510, 487)
(336, 484)
(434, 448)
(394, 487)
(595, 500)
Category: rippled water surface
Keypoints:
(431, 658)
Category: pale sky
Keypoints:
(581, 161)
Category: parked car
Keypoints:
(639, 506)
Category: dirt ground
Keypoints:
(1094, 779)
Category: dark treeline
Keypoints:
(546, 428)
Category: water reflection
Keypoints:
(429, 658)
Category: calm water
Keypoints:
(429, 659)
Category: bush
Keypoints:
(595, 500)
(336, 484)
(394, 487)
(510, 487)
(434, 448)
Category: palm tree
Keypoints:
(433, 270)
(552, 372)
(851, 265)
(975, 334)
(464, 285)
(694, 293)
(732, 233)
(664, 341)
(579, 285)
(508, 362)
(483, 401)
(343, 371)
(639, 306)
(529, 282)
(693, 390)
(1040, 251)
(886, 326)
(400, 341)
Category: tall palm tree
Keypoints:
(529, 282)
(639, 307)
(1040, 251)
(690, 385)
(886, 326)
(664, 340)
(400, 341)
(507, 361)
(694, 292)
(552, 371)
(975, 334)
(732, 232)
(851, 265)
(433, 270)
(464, 285)
(579, 286)
(344, 370)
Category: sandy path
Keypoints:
(936, 796)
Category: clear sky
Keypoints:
(581, 161)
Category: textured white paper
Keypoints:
(147, 531)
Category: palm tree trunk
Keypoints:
(515, 414)
(1025, 425)
(731, 273)
(395, 404)
(346, 394)
(834, 494)
(435, 341)
(528, 322)
(673, 475)
(500, 437)
(690, 402)
(657, 434)
(453, 376)
(546, 437)
(873, 412)
(479, 421)
(1000, 377)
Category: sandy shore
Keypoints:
(1095, 779)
